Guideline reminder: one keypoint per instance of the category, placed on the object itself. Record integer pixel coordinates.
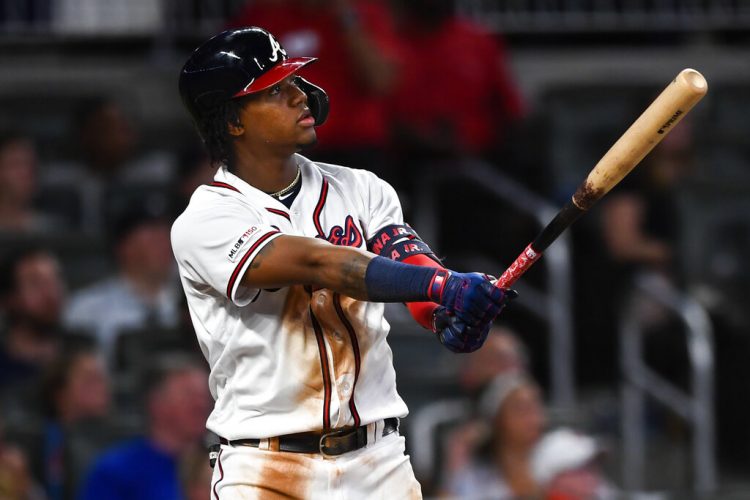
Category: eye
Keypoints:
(275, 89)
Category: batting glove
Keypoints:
(471, 297)
(457, 335)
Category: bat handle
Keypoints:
(522, 263)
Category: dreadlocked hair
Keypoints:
(214, 130)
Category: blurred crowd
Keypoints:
(103, 390)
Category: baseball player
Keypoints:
(286, 264)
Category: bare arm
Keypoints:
(294, 260)
(623, 234)
(375, 70)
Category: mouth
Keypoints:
(306, 118)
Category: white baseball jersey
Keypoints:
(287, 360)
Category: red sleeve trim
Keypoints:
(280, 212)
(224, 185)
(241, 264)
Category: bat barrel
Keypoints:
(693, 79)
(667, 110)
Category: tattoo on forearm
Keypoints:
(353, 276)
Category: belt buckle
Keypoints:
(326, 435)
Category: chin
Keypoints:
(305, 145)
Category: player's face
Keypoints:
(278, 117)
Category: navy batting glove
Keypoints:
(457, 335)
(471, 297)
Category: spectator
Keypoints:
(147, 468)
(105, 164)
(566, 466)
(193, 169)
(16, 481)
(195, 473)
(637, 234)
(32, 295)
(456, 102)
(358, 67)
(646, 242)
(75, 390)
(492, 459)
(644, 210)
(18, 185)
(143, 293)
(502, 353)
(456, 95)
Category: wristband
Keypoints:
(437, 285)
(390, 281)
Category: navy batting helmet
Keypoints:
(236, 63)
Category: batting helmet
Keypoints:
(236, 63)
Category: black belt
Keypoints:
(328, 443)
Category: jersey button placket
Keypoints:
(344, 384)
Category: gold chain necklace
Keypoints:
(290, 186)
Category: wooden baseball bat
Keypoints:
(647, 131)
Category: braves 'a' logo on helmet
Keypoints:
(276, 49)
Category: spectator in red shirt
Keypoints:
(358, 53)
(455, 94)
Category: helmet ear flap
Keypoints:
(317, 100)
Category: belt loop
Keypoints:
(264, 444)
(372, 432)
(273, 444)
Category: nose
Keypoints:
(297, 96)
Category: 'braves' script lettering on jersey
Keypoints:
(349, 235)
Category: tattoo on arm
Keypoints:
(352, 273)
(286, 261)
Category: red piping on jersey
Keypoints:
(319, 208)
(355, 348)
(233, 278)
(224, 185)
(221, 474)
(324, 368)
(279, 212)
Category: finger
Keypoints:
(499, 296)
(472, 315)
(481, 308)
(491, 312)
(489, 318)
(456, 343)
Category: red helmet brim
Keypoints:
(275, 75)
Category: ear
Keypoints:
(235, 128)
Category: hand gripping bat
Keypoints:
(647, 131)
